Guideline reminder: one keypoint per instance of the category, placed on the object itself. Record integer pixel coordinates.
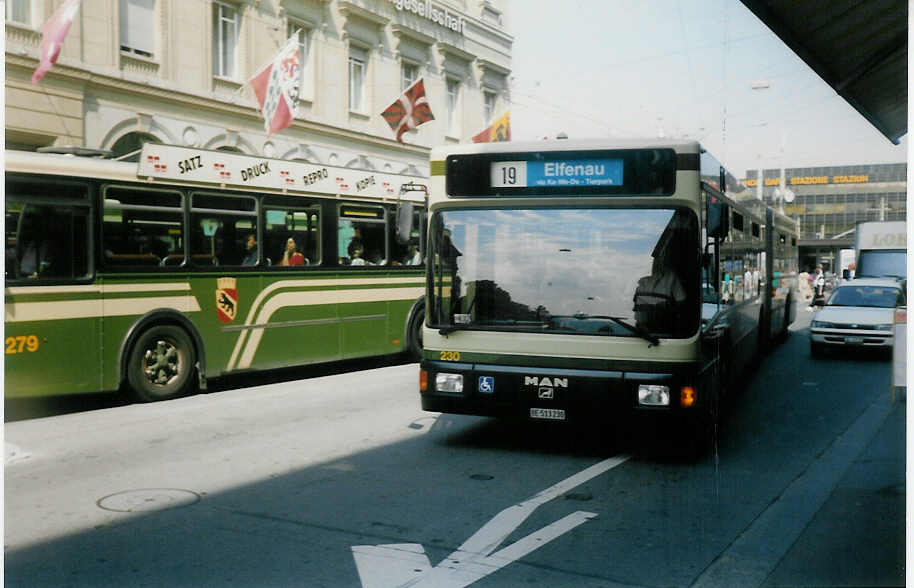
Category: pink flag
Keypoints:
(52, 35)
(409, 111)
(276, 87)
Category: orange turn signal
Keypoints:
(423, 380)
(687, 396)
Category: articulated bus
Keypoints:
(632, 282)
(152, 277)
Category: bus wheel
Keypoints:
(414, 334)
(161, 364)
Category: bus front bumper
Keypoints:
(572, 395)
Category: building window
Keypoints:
(306, 90)
(357, 59)
(488, 106)
(19, 11)
(138, 26)
(453, 97)
(410, 73)
(225, 39)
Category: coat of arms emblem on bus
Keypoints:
(226, 299)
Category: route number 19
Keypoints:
(509, 174)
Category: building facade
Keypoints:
(176, 72)
(829, 201)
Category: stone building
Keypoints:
(176, 72)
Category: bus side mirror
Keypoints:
(718, 220)
(846, 274)
(404, 220)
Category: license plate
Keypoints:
(552, 414)
(853, 340)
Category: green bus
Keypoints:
(152, 277)
(627, 282)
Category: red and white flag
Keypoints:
(276, 87)
(409, 111)
(53, 33)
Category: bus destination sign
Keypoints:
(574, 172)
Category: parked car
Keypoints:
(859, 313)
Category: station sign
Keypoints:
(223, 168)
(811, 180)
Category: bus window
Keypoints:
(412, 252)
(362, 237)
(46, 237)
(142, 228)
(220, 227)
(297, 221)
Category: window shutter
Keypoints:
(138, 26)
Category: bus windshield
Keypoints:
(591, 271)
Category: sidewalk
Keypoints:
(857, 538)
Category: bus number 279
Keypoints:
(21, 343)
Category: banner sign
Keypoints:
(186, 164)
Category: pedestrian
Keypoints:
(818, 285)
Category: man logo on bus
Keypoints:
(226, 299)
(545, 387)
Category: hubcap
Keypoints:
(161, 364)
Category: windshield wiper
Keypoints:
(640, 331)
(448, 329)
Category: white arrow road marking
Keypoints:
(405, 564)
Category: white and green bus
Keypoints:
(191, 264)
(630, 282)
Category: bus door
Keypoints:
(52, 310)
(364, 291)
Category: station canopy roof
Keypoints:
(859, 47)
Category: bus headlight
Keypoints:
(451, 383)
(883, 327)
(653, 395)
(822, 325)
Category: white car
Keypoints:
(859, 313)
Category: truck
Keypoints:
(881, 250)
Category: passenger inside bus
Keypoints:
(251, 252)
(290, 255)
(40, 248)
(355, 256)
(413, 257)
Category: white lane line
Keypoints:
(491, 535)
(447, 575)
(405, 564)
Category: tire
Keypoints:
(161, 364)
(414, 334)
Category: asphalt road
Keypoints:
(341, 480)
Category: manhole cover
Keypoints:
(148, 499)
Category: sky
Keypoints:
(680, 68)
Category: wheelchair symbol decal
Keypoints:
(486, 384)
